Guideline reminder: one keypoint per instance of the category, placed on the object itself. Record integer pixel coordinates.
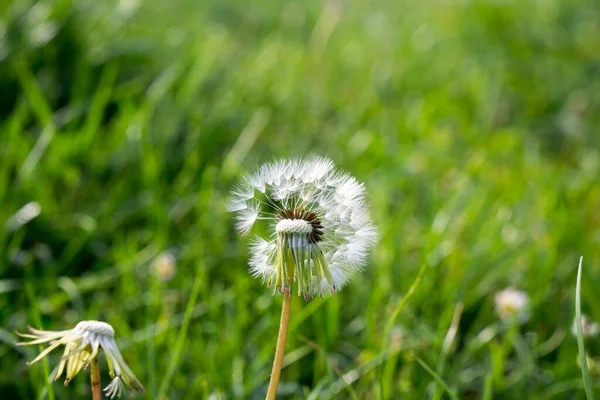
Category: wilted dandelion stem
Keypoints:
(280, 349)
(95, 377)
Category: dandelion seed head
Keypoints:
(94, 327)
(82, 344)
(512, 305)
(320, 228)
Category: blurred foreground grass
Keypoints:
(473, 123)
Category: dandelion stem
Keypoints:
(95, 375)
(280, 349)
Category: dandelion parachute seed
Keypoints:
(320, 228)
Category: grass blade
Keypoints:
(438, 379)
(37, 317)
(587, 382)
(488, 386)
(181, 338)
(388, 368)
(404, 300)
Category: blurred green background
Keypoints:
(474, 125)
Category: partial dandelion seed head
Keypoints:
(512, 305)
(98, 328)
(82, 344)
(115, 388)
(320, 229)
(589, 327)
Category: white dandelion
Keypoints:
(320, 230)
(589, 327)
(82, 346)
(512, 305)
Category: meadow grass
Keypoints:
(587, 382)
(474, 125)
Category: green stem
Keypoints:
(95, 378)
(280, 349)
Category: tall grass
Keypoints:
(587, 381)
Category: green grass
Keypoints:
(474, 126)
(587, 382)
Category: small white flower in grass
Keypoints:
(82, 344)
(590, 328)
(165, 266)
(512, 305)
(320, 230)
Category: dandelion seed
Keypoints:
(512, 305)
(82, 346)
(590, 328)
(115, 388)
(320, 228)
